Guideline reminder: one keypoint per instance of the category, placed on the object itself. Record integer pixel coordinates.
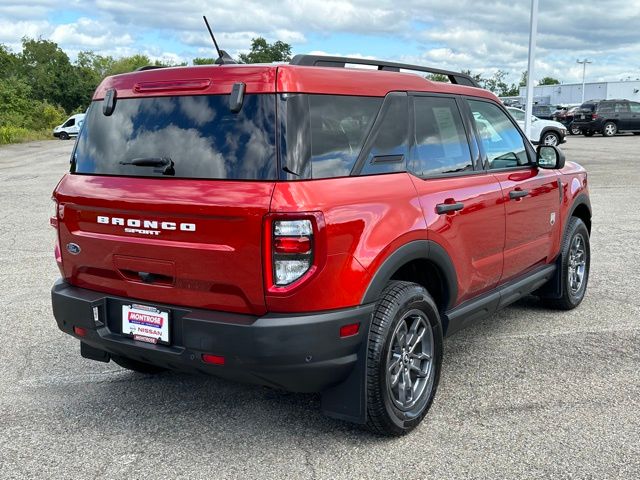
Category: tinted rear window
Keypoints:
(587, 107)
(202, 137)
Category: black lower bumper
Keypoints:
(301, 353)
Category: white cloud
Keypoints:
(466, 34)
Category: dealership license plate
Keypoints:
(145, 323)
(582, 117)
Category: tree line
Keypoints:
(40, 85)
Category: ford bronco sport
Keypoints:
(309, 226)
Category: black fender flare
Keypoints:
(550, 129)
(415, 250)
(581, 199)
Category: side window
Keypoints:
(388, 153)
(339, 125)
(605, 107)
(441, 141)
(70, 123)
(517, 114)
(621, 107)
(634, 107)
(501, 140)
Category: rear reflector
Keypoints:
(79, 331)
(212, 359)
(349, 330)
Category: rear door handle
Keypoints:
(442, 208)
(515, 194)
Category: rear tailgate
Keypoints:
(199, 240)
(168, 191)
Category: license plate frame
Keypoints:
(146, 323)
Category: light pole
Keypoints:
(533, 31)
(584, 70)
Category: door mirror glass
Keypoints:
(550, 157)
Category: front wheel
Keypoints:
(575, 263)
(609, 129)
(404, 358)
(551, 138)
(64, 136)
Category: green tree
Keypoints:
(129, 64)
(204, 61)
(437, 77)
(263, 52)
(523, 79)
(549, 81)
(8, 62)
(48, 72)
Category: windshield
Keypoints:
(199, 134)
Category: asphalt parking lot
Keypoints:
(528, 393)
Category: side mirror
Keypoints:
(549, 156)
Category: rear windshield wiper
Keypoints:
(165, 162)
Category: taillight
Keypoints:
(292, 246)
(53, 220)
(294, 250)
(594, 116)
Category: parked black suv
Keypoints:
(608, 117)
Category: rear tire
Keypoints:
(588, 133)
(137, 366)
(574, 266)
(609, 129)
(404, 359)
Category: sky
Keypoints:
(481, 36)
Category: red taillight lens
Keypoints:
(80, 331)
(292, 244)
(349, 330)
(594, 116)
(212, 359)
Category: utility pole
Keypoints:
(533, 31)
(584, 70)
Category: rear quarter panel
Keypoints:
(366, 219)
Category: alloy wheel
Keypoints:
(577, 264)
(410, 360)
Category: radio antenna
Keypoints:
(223, 57)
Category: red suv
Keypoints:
(308, 226)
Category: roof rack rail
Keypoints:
(340, 62)
(148, 67)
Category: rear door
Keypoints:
(462, 204)
(166, 200)
(530, 196)
(634, 108)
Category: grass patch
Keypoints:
(10, 134)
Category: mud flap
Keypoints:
(348, 400)
(87, 351)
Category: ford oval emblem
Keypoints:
(73, 248)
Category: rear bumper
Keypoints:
(301, 353)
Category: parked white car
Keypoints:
(546, 132)
(70, 128)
